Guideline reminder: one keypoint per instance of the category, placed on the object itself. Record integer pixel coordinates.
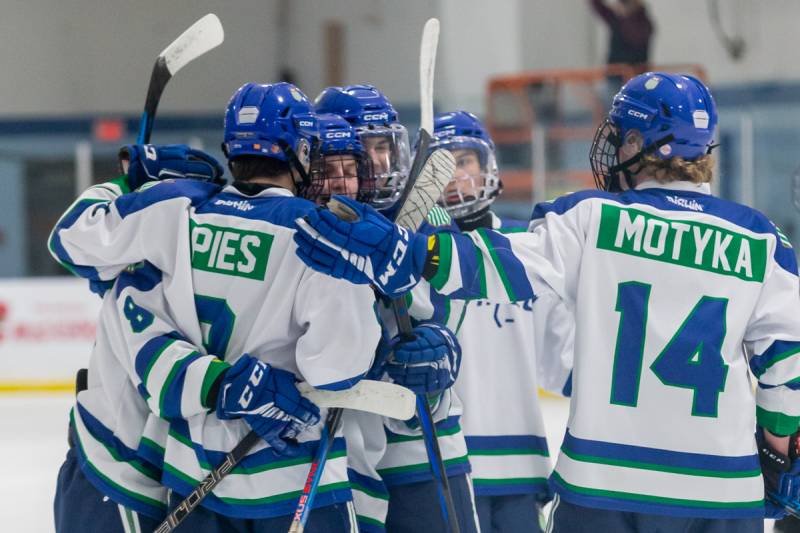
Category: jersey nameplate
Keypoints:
(230, 251)
(682, 242)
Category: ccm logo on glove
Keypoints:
(255, 378)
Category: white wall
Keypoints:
(90, 56)
(95, 56)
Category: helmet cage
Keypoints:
(604, 157)
(390, 176)
(323, 186)
(471, 193)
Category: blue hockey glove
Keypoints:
(428, 363)
(149, 162)
(781, 478)
(268, 400)
(369, 250)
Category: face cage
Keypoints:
(466, 205)
(388, 186)
(603, 157)
(366, 180)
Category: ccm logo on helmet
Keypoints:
(637, 114)
(305, 123)
(376, 116)
(337, 135)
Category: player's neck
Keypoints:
(282, 180)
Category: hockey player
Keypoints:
(404, 468)
(671, 288)
(219, 319)
(125, 495)
(508, 351)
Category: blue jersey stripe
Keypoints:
(511, 265)
(538, 486)
(195, 191)
(373, 485)
(468, 264)
(260, 460)
(151, 349)
(531, 443)
(777, 351)
(115, 447)
(254, 510)
(745, 464)
(58, 248)
(278, 210)
(172, 391)
(143, 277)
(636, 503)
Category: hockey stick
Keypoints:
(378, 397)
(384, 399)
(202, 36)
(428, 186)
(413, 212)
(427, 67)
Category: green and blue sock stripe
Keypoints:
(641, 457)
(647, 504)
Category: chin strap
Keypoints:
(482, 218)
(625, 167)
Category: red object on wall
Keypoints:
(109, 129)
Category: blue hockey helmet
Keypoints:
(674, 115)
(385, 140)
(475, 184)
(272, 120)
(340, 166)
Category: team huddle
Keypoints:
(649, 302)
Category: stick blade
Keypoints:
(202, 36)
(379, 397)
(436, 173)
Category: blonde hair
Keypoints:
(678, 169)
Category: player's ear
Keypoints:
(632, 144)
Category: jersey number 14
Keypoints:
(692, 359)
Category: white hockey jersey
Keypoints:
(671, 288)
(219, 280)
(508, 351)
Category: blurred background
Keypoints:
(540, 73)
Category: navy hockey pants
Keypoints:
(81, 508)
(511, 513)
(415, 507)
(568, 518)
(335, 518)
